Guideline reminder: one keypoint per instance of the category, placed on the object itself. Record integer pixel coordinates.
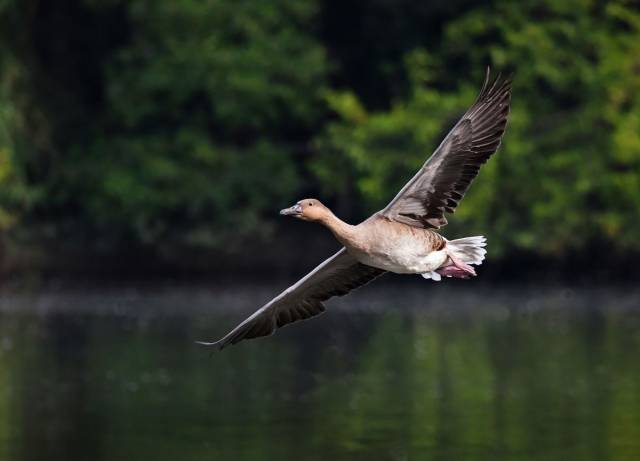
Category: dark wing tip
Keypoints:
(439, 186)
(492, 87)
(487, 78)
(217, 344)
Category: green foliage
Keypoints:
(13, 193)
(567, 174)
(200, 116)
(206, 99)
(187, 123)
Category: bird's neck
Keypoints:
(345, 233)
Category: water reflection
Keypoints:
(462, 375)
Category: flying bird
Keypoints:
(402, 237)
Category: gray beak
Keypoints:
(295, 210)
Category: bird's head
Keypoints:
(308, 209)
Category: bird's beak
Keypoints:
(295, 210)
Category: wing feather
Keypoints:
(336, 276)
(443, 180)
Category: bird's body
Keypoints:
(392, 246)
(402, 237)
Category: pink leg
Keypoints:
(453, 271)
(457, 269)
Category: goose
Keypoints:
(402, 237)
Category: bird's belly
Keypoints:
(402, 259)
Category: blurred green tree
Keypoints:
(567, 176)
(185, 125)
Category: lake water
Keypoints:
(449, 371)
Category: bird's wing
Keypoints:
(336, 276)
(445, 177)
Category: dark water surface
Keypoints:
(435, 372)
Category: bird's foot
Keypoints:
(457, 268)
(454, 271)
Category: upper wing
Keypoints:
(445, 177)
(336, 276)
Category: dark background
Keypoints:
(162, 137)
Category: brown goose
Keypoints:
(400, 238)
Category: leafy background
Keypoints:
(176, 129)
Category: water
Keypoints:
(435, 372)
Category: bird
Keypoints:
(402, 238)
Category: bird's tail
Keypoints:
(469, 250)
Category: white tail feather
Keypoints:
(432, 275)
(469, 249)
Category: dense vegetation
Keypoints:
(185, 124)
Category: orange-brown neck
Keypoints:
(344, 232)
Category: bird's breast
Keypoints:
(402, 253)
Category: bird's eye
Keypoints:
(310, 203)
